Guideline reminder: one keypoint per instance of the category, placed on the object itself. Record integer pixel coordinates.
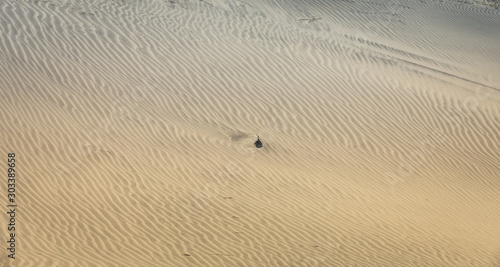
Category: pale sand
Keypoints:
(134, 122)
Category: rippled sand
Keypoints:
(134, 125)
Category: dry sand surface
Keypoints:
(134, 122)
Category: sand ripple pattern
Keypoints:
(135, 122)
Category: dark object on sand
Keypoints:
(258, 143)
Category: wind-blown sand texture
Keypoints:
(133, 123)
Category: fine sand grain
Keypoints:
(134, 123)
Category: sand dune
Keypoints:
(133, 125)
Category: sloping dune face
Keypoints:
(134, 122)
